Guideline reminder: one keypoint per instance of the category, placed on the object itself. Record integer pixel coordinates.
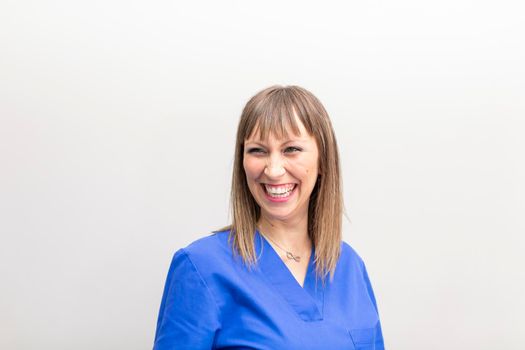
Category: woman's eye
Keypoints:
(256, 150)
(292, 150)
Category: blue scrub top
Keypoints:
(212, 301)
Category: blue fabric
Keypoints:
(212, 301)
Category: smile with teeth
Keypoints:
(280, 191)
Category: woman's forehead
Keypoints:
(281, 128)
(279, 134)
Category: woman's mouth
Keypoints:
(279, 193)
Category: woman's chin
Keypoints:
(282, 214)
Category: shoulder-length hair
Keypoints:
(273, 110)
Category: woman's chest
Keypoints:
(262, 315)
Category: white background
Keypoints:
(116, 146)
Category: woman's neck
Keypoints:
(291, 235)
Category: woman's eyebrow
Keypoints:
(261, 143)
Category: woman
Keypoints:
(280, 276)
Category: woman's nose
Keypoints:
(274, 167)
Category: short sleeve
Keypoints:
(378, 340)
(188, 316)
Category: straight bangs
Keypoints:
(277, 114)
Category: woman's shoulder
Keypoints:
(213, 253)
(349, 256)
(208, 243)
(208, 251)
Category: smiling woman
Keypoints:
(255, 284)
(282, 171)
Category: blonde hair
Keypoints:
(273, 110)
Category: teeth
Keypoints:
(279, 191)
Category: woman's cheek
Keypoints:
(251, 167)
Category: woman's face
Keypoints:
(281, 174)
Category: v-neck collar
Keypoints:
(307, 301)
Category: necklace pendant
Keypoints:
(296, 258)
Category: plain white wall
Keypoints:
(116, 144)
